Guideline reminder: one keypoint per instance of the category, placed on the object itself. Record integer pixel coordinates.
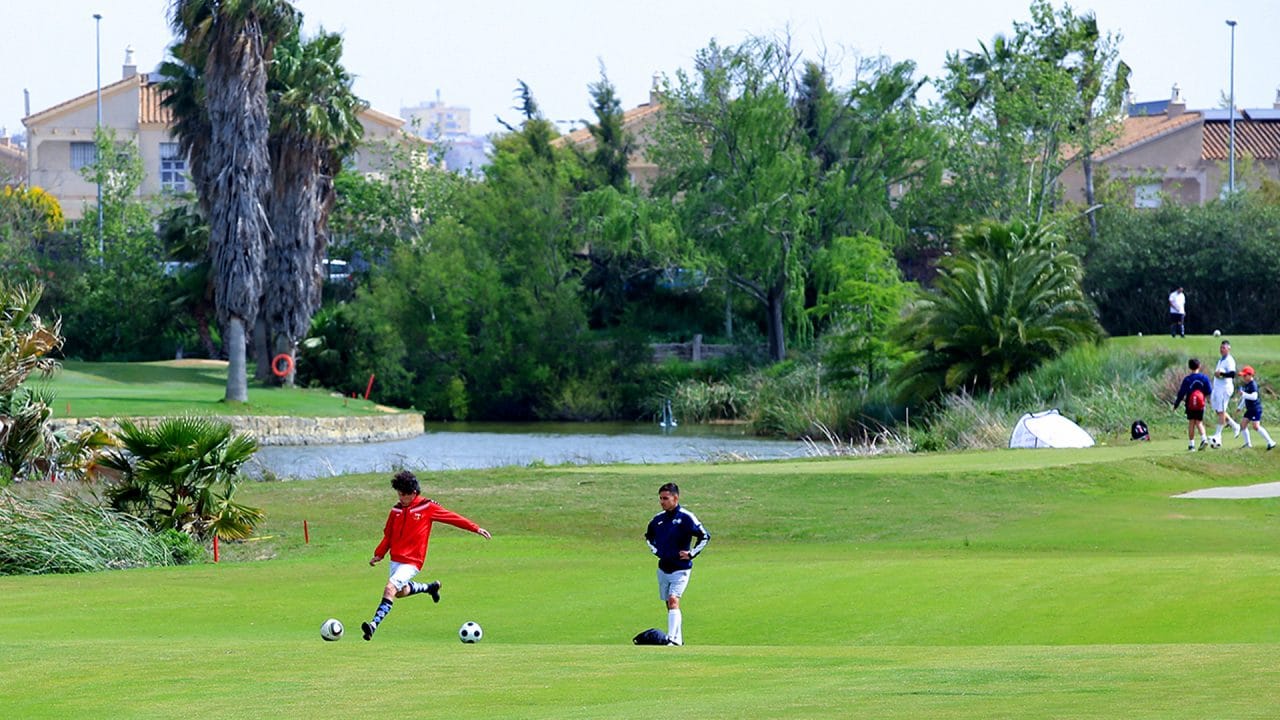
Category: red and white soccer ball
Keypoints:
(470, 632)
(331, 630)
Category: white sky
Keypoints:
(472, 52)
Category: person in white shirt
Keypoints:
(1177, 313)
(1223, 388)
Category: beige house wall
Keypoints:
(51, 132)
(49, 140)
(1175, 161)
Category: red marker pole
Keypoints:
(215, 548)
(369, 387)
(306, 533)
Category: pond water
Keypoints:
(457, 446)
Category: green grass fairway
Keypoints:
(1003, 584)
(177, 387)
(1246, 349)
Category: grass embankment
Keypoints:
(1018, 584)
(182, 387)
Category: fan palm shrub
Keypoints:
(181, 473)
(1009, 299)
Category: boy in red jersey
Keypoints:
(406, 534)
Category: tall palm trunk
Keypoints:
(237, 380)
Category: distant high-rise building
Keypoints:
(434, 119)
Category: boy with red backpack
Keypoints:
(1195, 389)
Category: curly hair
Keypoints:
(405, 482)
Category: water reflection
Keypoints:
(457, 446)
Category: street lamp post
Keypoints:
(1231, 115)
(98, 52)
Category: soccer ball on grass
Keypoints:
(470, 632)
(331, 630)
(1214, 442)
(1217, 333)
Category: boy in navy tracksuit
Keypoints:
(1251, 401)
(1195, 380)
(676, 537)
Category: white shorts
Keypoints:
(1219, 399)
(402, 573)
(672, 584)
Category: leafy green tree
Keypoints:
(1023, 109)
(118, 169)
(860, 298)
(184, 238)
(768, 163)
(181, 473)
(27, 216)
(374, 214)
(740, 176)
(608, 160)
(231, 41)
(1008, 299)
(1223, 253)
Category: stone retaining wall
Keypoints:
(280, 430)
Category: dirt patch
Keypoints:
(195, 362)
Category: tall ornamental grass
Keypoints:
(60, 534)
(1101, 387)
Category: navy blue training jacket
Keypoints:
(670, 532)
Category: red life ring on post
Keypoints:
(279, 371)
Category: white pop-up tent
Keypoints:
(1048, 429)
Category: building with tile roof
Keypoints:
(639, 122)
(1167, 153)
(13, 161)
(60, 140)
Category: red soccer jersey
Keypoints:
(408, 530)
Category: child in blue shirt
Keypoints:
(1194, 381)
(1251, 401)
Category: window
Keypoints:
(173, 168)
(1147, 195)
(83, 154)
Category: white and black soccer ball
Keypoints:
(1217, 333)
(1215, 442)
(331, 630)
(470, 632)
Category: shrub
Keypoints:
(1102, 388)
(61, 534)
(181, 473)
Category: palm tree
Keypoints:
(1008, 300)
(234, 39)
(183, 88)
(315, 125)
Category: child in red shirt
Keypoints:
(406, 535)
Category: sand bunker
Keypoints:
(1243, 492)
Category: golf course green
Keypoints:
(992, 584)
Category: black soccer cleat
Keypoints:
(433, 589)
(368, 629)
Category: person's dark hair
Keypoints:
(405, 482)
(1194, 364)
(672, 488)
